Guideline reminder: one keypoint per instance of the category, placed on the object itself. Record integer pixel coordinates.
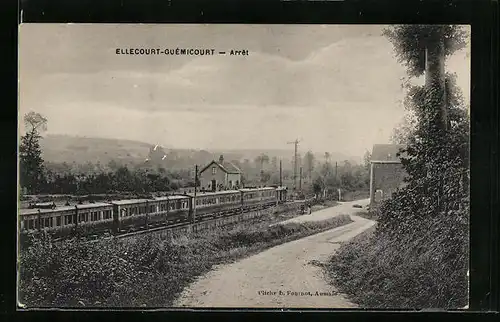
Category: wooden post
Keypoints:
(371, 184)
(281, 175)
(300, 180)
(147, 215)
(193, 203)
(168, 208)
(39, 219)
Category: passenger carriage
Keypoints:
(281, 194)
(257, 197)
(216, 202)
(136, 213)
(62, 220)
(175, 207)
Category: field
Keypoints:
(150, 272)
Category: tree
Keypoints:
(327, 157)
(403, 132)
(423, 49)
(309, 163)
(31, 170)
(367, 160)
(261, 160)
(437, 106)
(274, 163)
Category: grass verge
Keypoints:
(426, 269)
(148, 273)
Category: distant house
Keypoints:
(221, 175)
(386, 171)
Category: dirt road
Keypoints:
(343, 208)
(285, 276)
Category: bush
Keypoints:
(146, 272)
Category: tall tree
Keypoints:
(423, 50)
(261, 160)
(31, 171)
(437, 148)
(366, 160)
(309, 163)
(327, 157)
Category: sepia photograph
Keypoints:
(185, 166)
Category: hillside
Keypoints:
(81, 150)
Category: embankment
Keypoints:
(149, 272)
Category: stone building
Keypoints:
(386, 171)
(219, 175)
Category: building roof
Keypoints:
(386, 152)
(226, 166)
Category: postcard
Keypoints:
(181, 166)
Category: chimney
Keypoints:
(221, 159)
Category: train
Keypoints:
(121, 216)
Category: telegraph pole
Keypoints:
(195, 188)
(300, 180)
(296, 143)
(281, 175)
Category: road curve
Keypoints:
(285, 276)
(342, 208)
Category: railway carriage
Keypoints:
(216, 202)
(171, 208)
(132, 214)
(257, 197)
(281, 194)
(62, 220)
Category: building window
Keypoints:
(214, 170)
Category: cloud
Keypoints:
(341, 72)
(340, 91)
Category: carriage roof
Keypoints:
(33, 211)
(216, 193)
(130, 201)
(173, 197)
(257, 189)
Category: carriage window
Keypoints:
(31, 224)
(68, 219)
(58, 221)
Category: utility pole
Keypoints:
(195, 188)
(300, 180)
(296, 143)
(336, 165)
(281, 175)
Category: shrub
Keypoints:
(146, 272)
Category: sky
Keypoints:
(337, 88)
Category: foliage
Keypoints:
(418, 256)
(31, 171)
(147, 271)
(348, 177)
(410, 42)
(309, 163)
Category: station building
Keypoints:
(219, 175)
